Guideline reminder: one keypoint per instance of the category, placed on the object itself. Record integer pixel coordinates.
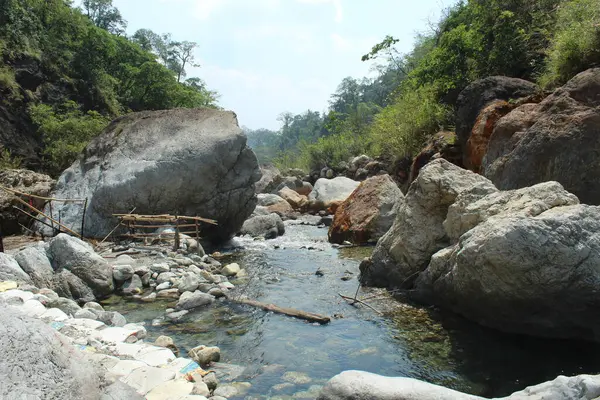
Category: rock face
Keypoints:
(268, 226)
(26, 182)
(37, 363)
(184, 161)
(418, 230)
(368, 213)
(328, 191)
(479, 94)
(556, 140)
(271, 178)
(358, 385)
(532, 275)
(10, 270)
(80, 259)
(442, 145)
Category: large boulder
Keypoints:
(34, 261)
(37, 363)
(297, 201)
(358, 385)
(326, 192)
(183, 161)
(271, 178)
(532, 275)
(556, 140)
(79, 258)
(480, 94)
(24, 181)
(10, 270)
(276, 204)
(418, 230)
(442, 145)
(368, 213)
(268, 226)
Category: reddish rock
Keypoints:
(368, 213)
(441, 145)
(485, 123)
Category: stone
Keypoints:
(275, 204)
(476, 96)
(201, 388)
(93, 305)
(85, 313)
(217, 292)
(160, 267)
(328, 191)
(144, 379)
(79, 258)
(297, 378)
(164, 341)
(368, 213)
(442, 145)
(231, 269)
(564, 388)
(211, 381)
(111, 318)
(171, 390)
(150, 298)
(204, 355)
(133, 162)
(168, 294)
(34, 261)
(69, 306)
(141, 270)
(163, 286)
(176, 316)
(146, 279)
(68, 285)
(235, 389)
(165, 277)
(30, 348)
(271, 178)
(267, 226)
(8, 285)
(11, 271)
(24, 181)
(521, 274)
(124, 259)
(359, 385)
(132, 286)
(296, 200)
(467, 212)
(189, 300)
(122, 272)
(555, 140)
(189, 283)
(418, 230)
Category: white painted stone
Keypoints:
(128, 349)
(114, 335)
(155, 356)
(145, 379)
(54, 314)
(126, 367)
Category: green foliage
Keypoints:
(66, 132)
(8, 161)
(576, 44)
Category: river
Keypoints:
(286, 358)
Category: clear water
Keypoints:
(409, 341)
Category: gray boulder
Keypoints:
(133, 285)
(359, 385)
(79, 258)
(580, 387)
(267, 226)
(121, 272)
(37, 363)
(182, 161)
(68, 306)
(329, 191)
(271, 178)
(34, 261)
(11, 271)
(418, 230)
(68, 285)
(531, 275)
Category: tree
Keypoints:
(182, 55)
(105, 16)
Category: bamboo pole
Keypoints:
(161, 226)
(197, 233)
(16, 192)
(115, 228)
(35, 218)
(83, 217)
(311, 317)
(177, 239)
(46, 216)
(361, 302)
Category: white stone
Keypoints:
(126, 367)
(114, 335)
(231, 269)
(144, 379)
(54, 314)
(171, 390)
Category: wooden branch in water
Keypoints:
(321, 319)
(361, 302)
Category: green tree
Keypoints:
(104, 15)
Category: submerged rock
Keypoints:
(182, 161)
(189, 300)
(204, 355)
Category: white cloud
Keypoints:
(337, 4)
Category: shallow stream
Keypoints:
(286, 358)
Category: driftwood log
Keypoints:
(321, 319)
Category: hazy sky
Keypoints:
(265, 57)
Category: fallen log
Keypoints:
(291, 312)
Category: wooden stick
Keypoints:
(160, 226)
(321, 319)
(177, 240)
(83, 217)
(35, 218)
(165, 218)
(113, 231)
(16, 192)
(44, 215)
(361, 302)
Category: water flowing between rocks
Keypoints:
(286, 358)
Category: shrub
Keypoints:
(8, 161)
(576, 43)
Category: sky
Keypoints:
(265, 57)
